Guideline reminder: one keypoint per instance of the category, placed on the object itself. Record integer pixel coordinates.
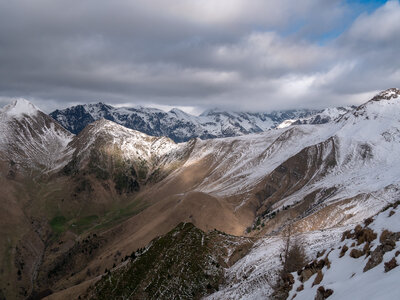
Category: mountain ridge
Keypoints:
(176, 124)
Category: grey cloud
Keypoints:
(233, 54)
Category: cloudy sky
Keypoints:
(198, 54)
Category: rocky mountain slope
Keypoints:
(159, 272)
(31, 138)
(110, 191)
(32, 147)
(176, 124)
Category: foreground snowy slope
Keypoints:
(352, 272)
(252, 276)
(367, 270)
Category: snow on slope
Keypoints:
(346, 276)
(243, 162)
(251, 277)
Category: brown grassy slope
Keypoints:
(18, 261)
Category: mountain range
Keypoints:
(181, 126)
(112, 212)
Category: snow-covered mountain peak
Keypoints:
(179, 113)
(32, 139)
(381, 109)
(103, 125)
(20, 107)
(96, 109)
(388, 94)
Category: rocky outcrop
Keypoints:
(323, 293)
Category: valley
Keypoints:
(88, 213)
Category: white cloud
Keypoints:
(268, 52)
(383, 25)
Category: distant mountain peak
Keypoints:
(20, 107)
(211, 111)
(178, 111)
